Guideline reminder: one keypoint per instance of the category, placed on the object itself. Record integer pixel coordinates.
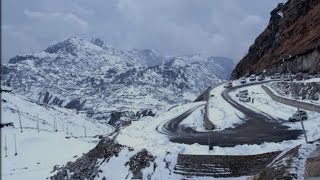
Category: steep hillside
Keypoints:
(290, 43)
(106, 83)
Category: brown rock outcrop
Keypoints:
(293, 31)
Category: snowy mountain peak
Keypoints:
(97, 41)
(72, 46)
(103, 44)
(176, 63)
(148, 56)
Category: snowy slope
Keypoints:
(39, 151)
(105, 82)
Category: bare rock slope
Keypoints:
(290, 42)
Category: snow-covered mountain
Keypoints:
(107, 83)
(51, 136)
(145, 56)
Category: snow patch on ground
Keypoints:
(195, 120)
(221, 113)
(38, 152)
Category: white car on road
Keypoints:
(253, 77)
(298, 115)
(244, 99)
(228, 85)
(243, 80)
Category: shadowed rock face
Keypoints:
(292, 32)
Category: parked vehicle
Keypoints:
(298, 115)
(245, 99)
(261, 78)
(243, 80)
(242, 93)
(253, 77)
(228, 85)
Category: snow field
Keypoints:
(39, 151)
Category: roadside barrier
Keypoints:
(291, 102)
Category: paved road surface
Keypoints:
(257, 128)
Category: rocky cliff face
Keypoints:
(291, 40)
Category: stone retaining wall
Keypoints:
(290, 102)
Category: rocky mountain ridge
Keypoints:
(290, 42)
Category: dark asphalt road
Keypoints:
(256, 129)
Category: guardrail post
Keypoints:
(5, 145)
(15, 145)
(20, 120)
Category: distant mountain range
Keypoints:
(107, 83)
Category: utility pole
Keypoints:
(296, 100)
(38, 123)
(55, 129)
(55, 120)
(304, 131)
(15, 145)
(209, 141)
(85, 131)
(54, 124)
(5, 145)
(67, 127)
(20, 120)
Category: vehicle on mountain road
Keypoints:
(228, 85)
(298, 115)
(243, 80)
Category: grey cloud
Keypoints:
(221, 28)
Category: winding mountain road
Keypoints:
(256, 129)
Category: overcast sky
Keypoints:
(171, 27)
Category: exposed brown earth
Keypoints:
(292, 32)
